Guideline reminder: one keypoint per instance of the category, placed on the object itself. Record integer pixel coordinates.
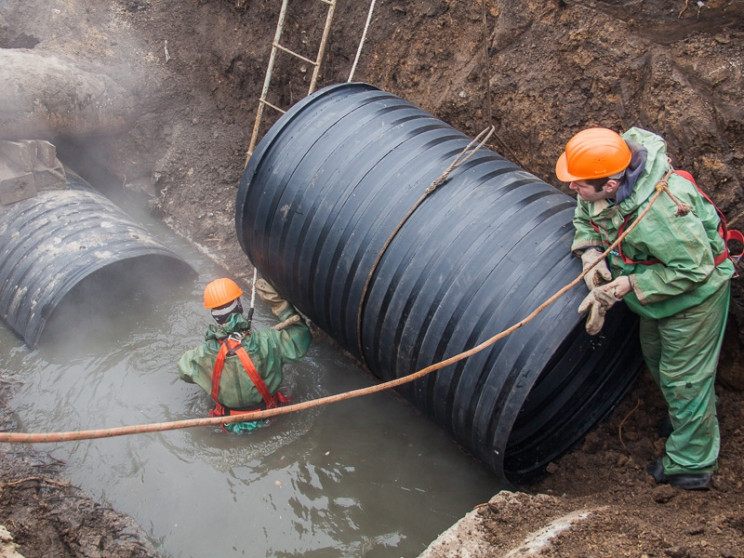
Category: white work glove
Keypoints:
(268, 294)
(598, 302)
(600, 273)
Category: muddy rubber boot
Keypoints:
(687, 481)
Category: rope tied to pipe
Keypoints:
(47, 437)
(463, 157)
(460, 160)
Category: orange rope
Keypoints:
(30, 438)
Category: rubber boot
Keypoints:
(688, 481)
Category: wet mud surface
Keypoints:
(47, 516)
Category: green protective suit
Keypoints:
(682, 299)
(268, 349)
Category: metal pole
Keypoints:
(253, 298)
(323, 41)
(361, 42)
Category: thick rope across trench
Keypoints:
(29, 438)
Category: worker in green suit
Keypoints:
(673, 271)
(240, 368)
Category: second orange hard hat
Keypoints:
(220, 292)
(593, 153)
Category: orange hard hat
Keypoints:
(220, 292)
(593, 153)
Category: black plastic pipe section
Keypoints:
(74, 244)
(319, 198)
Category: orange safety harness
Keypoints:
(232, 346)
(723, 230)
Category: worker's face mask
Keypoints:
(222, 313)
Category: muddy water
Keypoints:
(366, 477)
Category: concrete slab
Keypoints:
(27, 166)
(15, 186)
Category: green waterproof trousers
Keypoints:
(682, 353)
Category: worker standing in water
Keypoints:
(239, 367)
(673, 271)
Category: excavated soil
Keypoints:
(539, 71)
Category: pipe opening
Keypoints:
(71, 254)
(90, 309)
(571, 395)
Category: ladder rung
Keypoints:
(265, 102)
(275, 47)
(280, 47)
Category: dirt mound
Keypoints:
(48, 517)
(598, 501)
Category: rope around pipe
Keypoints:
(463, 157)
(46, 437)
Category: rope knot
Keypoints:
(437, 183)
(663, 185)
(682, 210)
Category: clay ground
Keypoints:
(192, 70)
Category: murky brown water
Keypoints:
(366, 477)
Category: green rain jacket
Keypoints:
(685, 246)
(268, 349)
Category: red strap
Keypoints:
(619, 246)
(279, 396)
(219, 363)
(234, 345)
(723, 230)
(257, 380)
(738, 237)
(625, 258)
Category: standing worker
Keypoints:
(673, 271)
(239, 367)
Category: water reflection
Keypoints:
(365, 477)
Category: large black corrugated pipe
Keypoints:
(74, 244)
(319, 198)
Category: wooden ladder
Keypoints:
(276, 47)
